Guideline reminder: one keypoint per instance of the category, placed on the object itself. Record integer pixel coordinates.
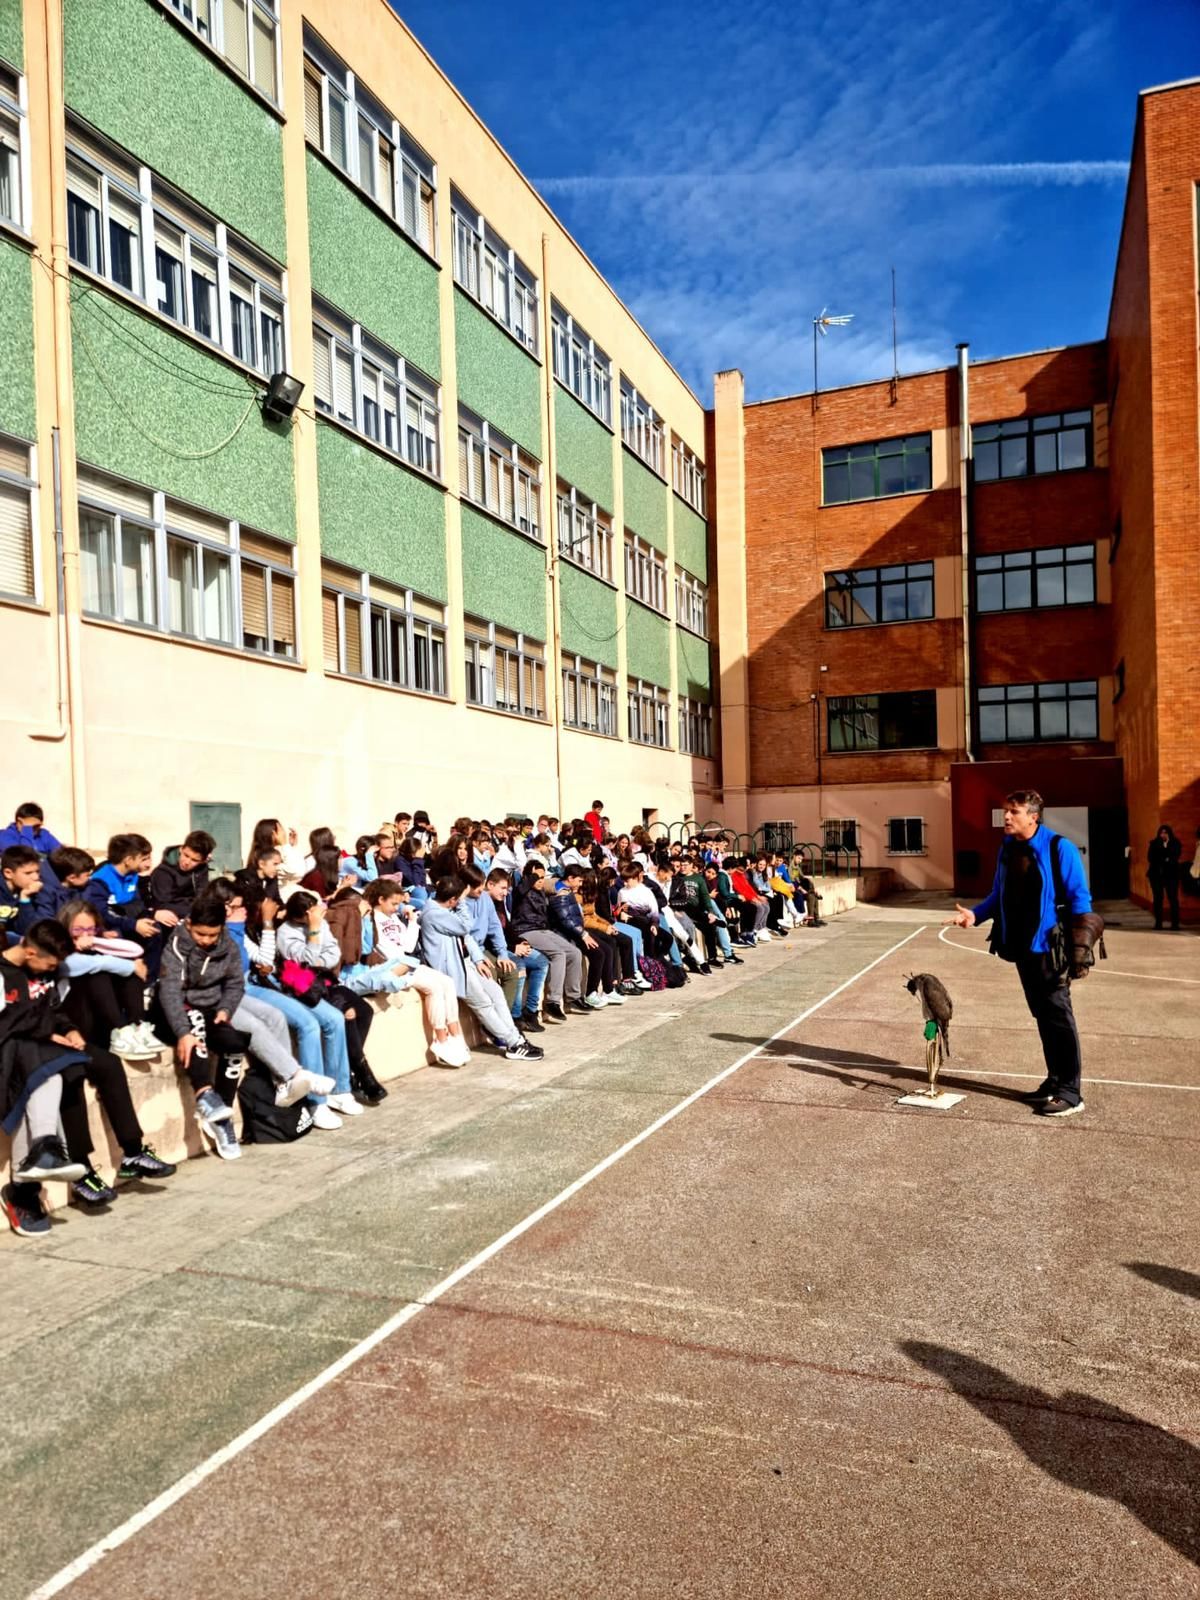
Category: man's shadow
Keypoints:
(1187, 1283)
(1085, 1443)
(815, 1053)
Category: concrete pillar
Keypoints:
(729, 516)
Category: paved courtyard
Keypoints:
(796, 1341)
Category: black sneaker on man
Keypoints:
(524, 1051)
(580, 1005)
(1059, 1108)
(529, 1022)
(144, 1165)
(91, 1190)
(24, 1213)
(1040, 1096)
(48, 1162)
(553, 1013)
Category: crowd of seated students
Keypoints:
(527, 925)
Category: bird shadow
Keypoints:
(832, 1061)
(1087, 1444)
(1187, 1283)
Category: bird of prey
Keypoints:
(937, 1009)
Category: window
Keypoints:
(243, 32)
(492, 273)
(372, 630)
(691, 602)
(580, 364)
(695, 728)
(649, 714)
(12, 149)
(18, 573)
(1063, 575)
(362, 138)
(645, 573)
(589, 697)
(1028, 445)
(641, 429)
(1020, 713)
(687, 473)
(584, 532)
(156, 563)
(868, 596)
(839, 833)
(203, 276)
(883, 721)
(875, 470)
(506, 671)
(497, 474)
(371, 389)
(906, 836)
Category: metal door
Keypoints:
(1072, 823)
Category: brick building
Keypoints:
(932, 614)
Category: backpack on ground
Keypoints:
(676, 977)
(263, 1122)
(654, 972)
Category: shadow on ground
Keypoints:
(839, 1060)
(1109, 1453)
(1187, 1283)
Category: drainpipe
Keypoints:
(966, 544)
(551, 492)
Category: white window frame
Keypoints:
(920, 850)
(216, 36)
(590, 697)
(416, 394)
(497, 468)
(585, 534)
(641, 427)
(688, 476)
(397, 606)
(485, 654)
(482, 257)
(159, 208)
(645, 573)
(166, 525)
(26, 484)
(695, 728)
(580, 365)
(648, 706)
(691, 602)
(365, 113)
(14, 138)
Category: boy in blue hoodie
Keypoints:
(20, 885)
(29, 828)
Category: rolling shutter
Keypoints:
(16, 542)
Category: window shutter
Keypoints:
(258, 544)
(111, 492)
(188, 520)
(464, 465)
(264, 55)
(343, 383)
(16, 542)
(14, 457)
(254, 601)
(322, 372)
(236, 47)
(329, 630)
(354, 657)
(312, 105)
(283, 611)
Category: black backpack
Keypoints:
(263, 1122)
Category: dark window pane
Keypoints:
(122, 245)
(1053, 719)
(991, 724)
(920, 569)
(920, 598)
(1013, 454)
(988, 563)
(862, 480)
(892, 479)
(1050, 590)
(894, 607)
(1046, 424)
(1021, 691)
(1018, 591)
(837, 483)
(1020, 721)
(1075, 419)
(990, 591)
(917, 473)
(985, 430)
(202, 306)
(1013, 427)
(83, 232)
(170, 285)
(866, 603)
(1083, 720)
(1045, 452)
(987, 462)
(1072, 449)
(1081, 584)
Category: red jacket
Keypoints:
(592, 818)
(743, 886)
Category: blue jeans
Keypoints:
(320, 1036)
(630, 931)
(722, 935)
(389, 978)
(530, 981)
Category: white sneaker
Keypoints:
(596, 1001)
(643, 983)
(763, 936)
(459, 1048)
(149, 1038)
(346, 1104)
(323, 1117)
(301, 1084)
(612, 998)
(125, 1042)
(444, 1053)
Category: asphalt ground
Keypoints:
(796, 1340)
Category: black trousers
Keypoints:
(601, 963)
(1049, 1000)
(1169, 888)
(209, 1067)
(106, 1073)
(100, 1002)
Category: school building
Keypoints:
(334, 478)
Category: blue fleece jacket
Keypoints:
(109, 891)
(1078, 897)
(42, 840)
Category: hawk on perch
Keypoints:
(937, 1008)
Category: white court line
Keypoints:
(163, 1502)
(1106, 971)
(983, 1072)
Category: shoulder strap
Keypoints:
(1060, 893)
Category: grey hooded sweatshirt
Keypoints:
(211, 980)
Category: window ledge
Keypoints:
(891, 750)
(684, 628)
(648, 744)
(533, 355)
(591, 733)
(381, 450)
(873, 499)
(642, 462)
(227, 67)
(209, 646)
(1024, 611)
(703, 515)
(1039, 477)
(15, 234)
(891, 622)
(646, 606)
(583, 405)
(392, 688)
(906, 852)
(370, 201)
(579, 567)
(26, 602)
(501, 522)
(513, 716)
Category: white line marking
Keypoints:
(982, 1072)
(163, 1502)
(1105, 971)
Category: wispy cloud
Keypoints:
(932, 175)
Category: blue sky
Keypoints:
(735, 166)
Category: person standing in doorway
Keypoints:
(1024, 915)
(1162, 868)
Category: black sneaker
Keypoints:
(91, 1190)
(144, 1165)
(1059, 1108)
(1041, 1096)
(524, 1052)
(552, 1013)
(732, 960)
(529, 1022)
(48, 1162)
(24, 1213)
(581, 1006)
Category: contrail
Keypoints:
(932, 175)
